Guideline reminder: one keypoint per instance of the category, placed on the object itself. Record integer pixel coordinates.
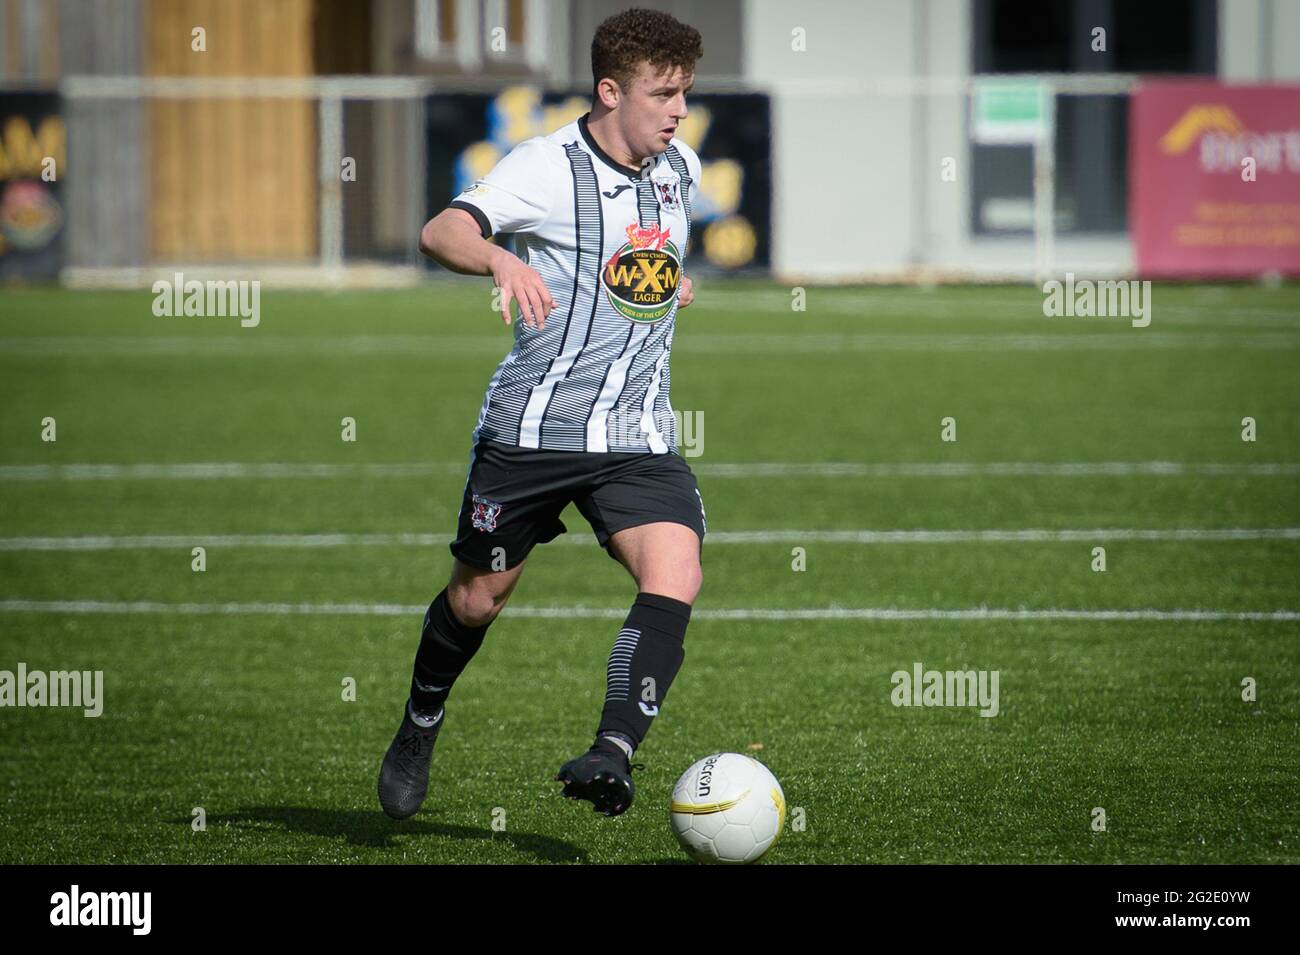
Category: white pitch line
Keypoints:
(267, 346)
(994, 536)
(826, 343)
(251, 345)
(221, 470)
(225, 470)
(95, 542)
(614, 613)
(1027, 309)
(102, 542)
(995, 469)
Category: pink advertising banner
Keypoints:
(1214, 179)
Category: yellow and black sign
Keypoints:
(33, 161)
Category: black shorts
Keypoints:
(514, 496)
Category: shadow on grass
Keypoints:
(377, 831)
(667, 862)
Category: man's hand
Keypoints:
(686, 294)
(452, 237)
(521, 283)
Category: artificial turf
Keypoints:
(222, 692)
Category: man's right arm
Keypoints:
(454, 240)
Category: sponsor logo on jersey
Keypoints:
(485, 513)
(615, 192)
(641, 278)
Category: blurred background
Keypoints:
(306, 141)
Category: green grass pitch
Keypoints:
(814, 421)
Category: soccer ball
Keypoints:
(727, 808)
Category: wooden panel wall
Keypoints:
(232, 179)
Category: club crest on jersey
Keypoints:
(668, 198)
(641, 278)
(485, 513)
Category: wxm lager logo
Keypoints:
(641, 278)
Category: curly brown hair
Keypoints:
(642, 36)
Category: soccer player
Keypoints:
(578, 410)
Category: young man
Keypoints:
(578, 411)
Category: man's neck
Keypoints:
(600, 124)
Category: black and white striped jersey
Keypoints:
(610, 242)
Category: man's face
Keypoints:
(652, 107)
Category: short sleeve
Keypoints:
(516, 196)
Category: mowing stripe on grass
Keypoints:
(221, 470)
(990, 536)
(615, 613)
(1210, 310)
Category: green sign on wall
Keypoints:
(1010, 111)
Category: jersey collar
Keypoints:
(630, 171)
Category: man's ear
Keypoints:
(608, 93)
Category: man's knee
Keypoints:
(476, 597)
(474, 606)
(681, 581)
(694, 581)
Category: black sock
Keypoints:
(446, 647)
(645, 658)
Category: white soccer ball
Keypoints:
(727, 808)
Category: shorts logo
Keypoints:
(641, 277)
(485, 513)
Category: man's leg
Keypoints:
(454, 627)
(664, 560)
